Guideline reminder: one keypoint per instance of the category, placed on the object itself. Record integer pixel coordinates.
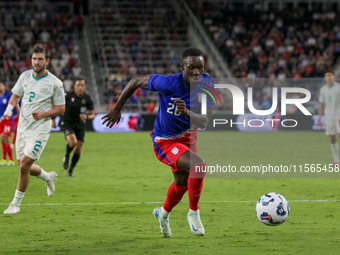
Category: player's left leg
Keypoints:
(71, 143)
(193, 163)
(332, 128)
(4, 142)
(80, 136)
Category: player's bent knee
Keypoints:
(77, 150)
(181, 178)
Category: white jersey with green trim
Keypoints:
(330, 96)
(38, 94)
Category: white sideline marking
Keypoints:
(157, 202)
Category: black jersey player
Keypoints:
(79, 108)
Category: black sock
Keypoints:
(68, 150)
(74, 161)
(70, 170)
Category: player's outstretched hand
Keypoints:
(37, 115)
(181, 107)
(112, 117)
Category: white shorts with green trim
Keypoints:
(32, 145)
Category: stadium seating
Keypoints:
(24, 24)
(135, 38)
(271, 43)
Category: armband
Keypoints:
(9, 110)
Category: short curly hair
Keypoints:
(41, 48)
(192, 52)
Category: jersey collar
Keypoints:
(37, 79)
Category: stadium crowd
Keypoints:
(21, 26)
(293, 43)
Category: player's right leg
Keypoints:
(24, 178)
(332, 127)
(71, 143)
(75, 157)
(29, 149)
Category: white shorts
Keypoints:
(32, 145)
(332, 127)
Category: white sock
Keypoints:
(44, 175)
(18, 196)
(193, 211)
(335, 152)
(164, 214)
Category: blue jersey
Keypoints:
(169, 122)
(4, 102)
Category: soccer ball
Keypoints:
(272, 209)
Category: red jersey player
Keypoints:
(5, 127)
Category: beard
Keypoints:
(38, 70)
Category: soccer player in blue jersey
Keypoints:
(173, 137)
(5, 128)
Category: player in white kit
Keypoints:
(42, 98)
(329, 99)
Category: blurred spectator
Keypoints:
(68, 85)
(110, 95)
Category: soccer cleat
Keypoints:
(50, 184)
(334, 164)
(10, 163)
(65, 161)
(12, 209)
(70, 174)
(3, 162)
(163, 222)
(195, 223)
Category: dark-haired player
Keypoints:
(43, 97)
(79, 108)
(173, 138)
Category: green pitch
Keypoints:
(95, 213)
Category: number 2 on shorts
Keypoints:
(37, 144)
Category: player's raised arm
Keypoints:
(13, 102)
(114, 115)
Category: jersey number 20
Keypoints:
(172, 111)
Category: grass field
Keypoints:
(95, 213)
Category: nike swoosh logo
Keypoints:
(174, 98)
(193, 228)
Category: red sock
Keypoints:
(195, 185)
(174, 195)
(4, 151)
(9, 151)
(14, 137)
